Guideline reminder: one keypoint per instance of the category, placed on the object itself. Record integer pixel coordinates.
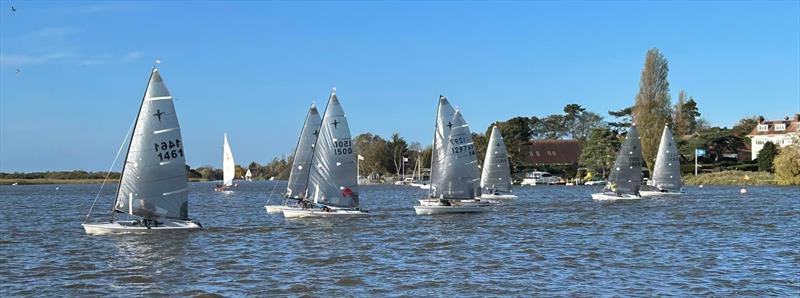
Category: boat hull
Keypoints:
(498, 197)
(313, 213)
(278, 208)
(660, 194)
(131, 227)
(613, 197)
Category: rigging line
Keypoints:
(269, 196)
(119, 151)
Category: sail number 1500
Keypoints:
(169, 149)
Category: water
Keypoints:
(551, 241)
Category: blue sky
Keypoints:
(252, 68)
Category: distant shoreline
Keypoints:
(45, 181)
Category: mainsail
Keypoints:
(248, 175)
(301, 162)
(667, 171)
(153, 183)
(626, 175)
(444, 114)
(228, 165)
(333, 173)
(460, 176)
(496, 172)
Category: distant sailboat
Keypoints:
(667, 171)
(153, 186)
(332, 181)
(301, 163)
(496, 175)
(248, 176)
(228, 168)
(625, 179)
(455, 181)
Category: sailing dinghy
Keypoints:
(625, 179)
(301, 163)
(153, 187)
(455, 182)
(228, 168)
(667, 172)
(332, 181)
(248, 176)
(496, 175)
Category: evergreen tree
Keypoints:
(624, 118)
(652, 108)
(600, 150)
(766, 156)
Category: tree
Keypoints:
(652, 108)
(572, 115)
(517, 128)
(766, 156)
(744, 127)
(588, 121)
(624, 119)
(553, 127)
(787, 165)
(600, 150)
(680, 127)
(690, 116)
(537, 128)
(398, 148)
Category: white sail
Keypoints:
(667, 171)
(153, 183)
(626, 175)
(460, 177)
(496, 175)
(444, 114)
(303, 152)
(248, 175)
(228, 165)
(333, 174)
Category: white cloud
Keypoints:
(16, 60)
(131, 56)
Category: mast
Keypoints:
(297, 146)
(316, 144)
(433, 147)
(133, 132)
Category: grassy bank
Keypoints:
(731, 178)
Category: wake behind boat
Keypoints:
(626, 175)
(153, 187)
(295, 194)
(332, 175)
(454, 167)
(496, 175)
(667, 171)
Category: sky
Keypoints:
(251, 69)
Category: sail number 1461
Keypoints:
(169, 149)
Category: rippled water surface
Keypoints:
(552, 241)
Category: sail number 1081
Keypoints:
(169, 149)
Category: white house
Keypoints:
(779, 132)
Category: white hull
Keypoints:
(307, 213)
(278, 208)
(129, 227)
(435, 202)
(660, 194)
(422, 186)
(613, 197)
(498, 197)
